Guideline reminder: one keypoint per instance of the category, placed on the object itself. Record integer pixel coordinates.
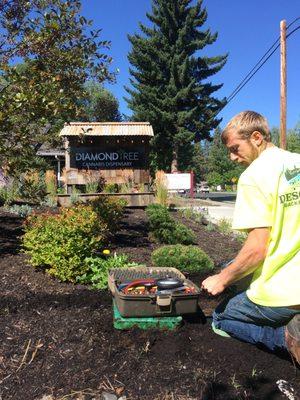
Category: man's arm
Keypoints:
(248, 259)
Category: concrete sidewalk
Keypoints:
(216, 210)
(220, 212)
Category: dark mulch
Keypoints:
(57, 339)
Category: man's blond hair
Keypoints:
(245, 123)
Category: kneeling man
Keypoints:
(268, 208)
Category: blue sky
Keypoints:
(246, 30)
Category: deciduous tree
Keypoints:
(58, 53)
(100, 104)
(221, 169)
(292, 138)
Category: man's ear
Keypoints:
(256, 138)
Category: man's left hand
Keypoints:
(214, 284)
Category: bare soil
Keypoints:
(58, 340)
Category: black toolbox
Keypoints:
(151, 305)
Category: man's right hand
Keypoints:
(214, 284)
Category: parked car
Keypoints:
(181, 191)
(203, 189)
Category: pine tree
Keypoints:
(169, 80)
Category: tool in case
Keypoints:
(147, 292)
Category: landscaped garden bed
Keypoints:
(57, 339)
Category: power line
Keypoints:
(258, 66)
(296, 19)
(232, 95)
(294, 30)
(245, 81)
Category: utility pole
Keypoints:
(283, 84)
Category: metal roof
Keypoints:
(47, 150)
(107, 129)
(51, 153)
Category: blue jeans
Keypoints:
(252, 323)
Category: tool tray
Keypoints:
(152, 304)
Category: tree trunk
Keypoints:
(174, 164)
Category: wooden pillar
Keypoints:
(283, 84)
(67, 153)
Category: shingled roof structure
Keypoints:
(107, 129)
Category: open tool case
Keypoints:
(166, 302)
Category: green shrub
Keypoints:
(159, 217)
(61, 190)
(224, 226)
(240, 236)
(74, 197)
(125, 187)
(110, 210)
(32, 186)
(98, 268)
(92, 187)
(22, 211)
(9, 193)
(194, 213)
(185, 258)
(210, 227)
(182, 234)
(63, 241)
(165, 229)
(110, 188)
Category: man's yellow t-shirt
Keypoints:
(269, 196)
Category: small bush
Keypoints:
(92, 187)
(182, 234)
(75, 198)
(224, 226)
(9, 193)
(210, 227)
(22, 211)
(125, 187)
(241, 236)
(159, 217)
(194, 213)
(95, 182)
(63, 241)
(98, 269)
(32, 186)
(165, 229)
(110, 188)
(110, 211)
(185, 258)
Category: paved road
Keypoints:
(216, 196)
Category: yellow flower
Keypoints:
(106, 252)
